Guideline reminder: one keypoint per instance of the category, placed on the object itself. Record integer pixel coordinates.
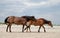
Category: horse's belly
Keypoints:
(18, 23)
(36, 25)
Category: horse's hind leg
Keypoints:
(28, 27)
(44, 28)
(10, 28)
(9, 25)
(27, 30)
(7, 28)
(39, 29)
(23, 28)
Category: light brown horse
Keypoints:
(17, 20)
(39, 22)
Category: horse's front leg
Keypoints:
(23, 28)
(39, 28)
(44, 28)
(29, 28)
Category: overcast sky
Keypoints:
(48, 9)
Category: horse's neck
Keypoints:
(46, 22)
(33, 22)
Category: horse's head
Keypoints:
(50, 24)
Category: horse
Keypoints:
(39, 22)
(17, 20)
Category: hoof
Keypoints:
(44, 30)
(22, 30)
(9, 31)
(38, 31)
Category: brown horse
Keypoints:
(14, 20)
(18, 20)
(39, 22)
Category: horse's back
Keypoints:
(16, 20)
(19, 19)
(39, 21)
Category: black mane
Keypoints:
(29, 17)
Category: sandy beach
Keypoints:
(16, 32)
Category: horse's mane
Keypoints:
(28, 17)
(46, 21)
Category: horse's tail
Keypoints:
(5, 21)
